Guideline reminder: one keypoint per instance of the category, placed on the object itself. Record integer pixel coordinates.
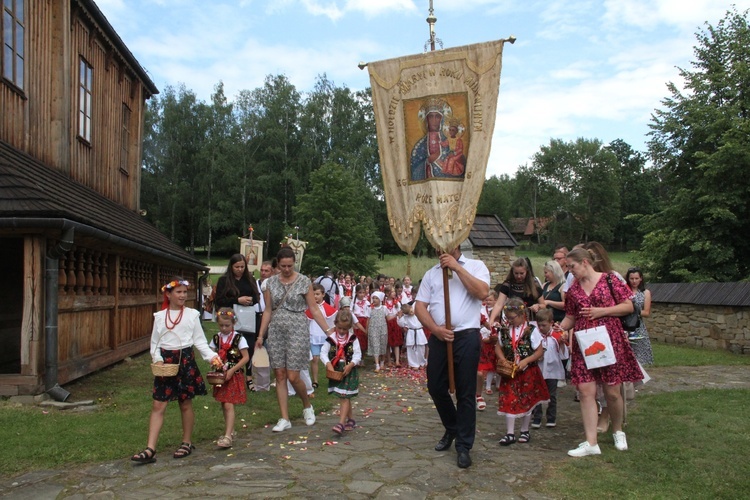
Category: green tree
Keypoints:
(700, 142)
(639, 194)
(173, 142)
(497, 197)
(577, 183)
(339, 229)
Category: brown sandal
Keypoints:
(184, 450)
(147, 456)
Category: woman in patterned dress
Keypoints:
(287, 296)
(590, 303)
(639, 340)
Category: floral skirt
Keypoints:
(519, 395)
(487, 358)
(188, 382)
(233, 391)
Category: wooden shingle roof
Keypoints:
(736, 294)
(31, 190)
(489, 231)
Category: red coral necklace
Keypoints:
(168, 319)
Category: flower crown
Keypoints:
(229, 314)
(173, 284)
(514, 308)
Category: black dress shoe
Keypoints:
(464, 460)
(445, 442)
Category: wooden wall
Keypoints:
(106, 304)
(42, 118)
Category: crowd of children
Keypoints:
(374, 318)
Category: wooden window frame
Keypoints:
(12, 55)
(85, 99)
(125, 139)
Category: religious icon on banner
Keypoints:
(437, 137)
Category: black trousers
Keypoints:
(460, 418)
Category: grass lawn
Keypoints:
(675, 355)
(687, 445)
(35, 438)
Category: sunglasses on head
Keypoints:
(634, 270)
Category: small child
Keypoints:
(407, 294)
(488, 306)
(233, 351)
(415, 337)
(346, 354)
(377, 330)
(361, 311)
(521, 344)
(555, 351)
(318, 336)
(395, 334)
(486, 367)
(345, 304)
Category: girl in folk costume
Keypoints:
(407, 295)
(361, 310)
(318, 336)
(342, 353)
(377, 330)
(487, 360)
(345, 305)
(395, 334)
(176, 330)
(233, 351)
(520, 344)
(415, 339)
(347, 287)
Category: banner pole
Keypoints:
(449, 345)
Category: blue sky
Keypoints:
(580, 68)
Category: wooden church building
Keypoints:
(80, 266)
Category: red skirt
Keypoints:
(487, 358)
(519, 396)
(232, 391)
(395, 334)
(362, 336)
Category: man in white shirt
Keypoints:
(469, 285)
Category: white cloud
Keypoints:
(649, 14)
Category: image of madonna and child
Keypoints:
(176, 331)
(341, 353)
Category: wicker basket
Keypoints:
(334, 375)
(165, 369)
(215, 378)
(505, 368)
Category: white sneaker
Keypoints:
(585, 449)
(621, 443)
(282, 425)
(309, 415)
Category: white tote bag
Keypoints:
(245, 318)
(596, 347)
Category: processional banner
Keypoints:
(435, 115)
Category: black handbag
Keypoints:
(631, 321)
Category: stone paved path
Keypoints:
(389, 454)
